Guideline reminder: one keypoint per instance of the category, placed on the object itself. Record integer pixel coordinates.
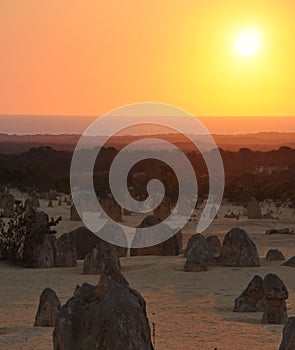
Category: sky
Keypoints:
(85, 58)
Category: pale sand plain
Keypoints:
(190, 310)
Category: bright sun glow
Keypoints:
(248, 43)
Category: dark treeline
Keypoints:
(264, 175)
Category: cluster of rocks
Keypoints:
(108, 316)
(268, 296)
(43, 249)
(236, 250)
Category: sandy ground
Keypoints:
(190, 310)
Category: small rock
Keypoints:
(49, 307)
(275, 255)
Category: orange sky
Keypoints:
(88, 57)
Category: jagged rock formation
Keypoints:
(109, 316)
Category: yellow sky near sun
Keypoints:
(87, 57)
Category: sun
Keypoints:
(248, 43)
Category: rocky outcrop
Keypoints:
(170, 247)
(109, 316)
(275, 294)
(288, 341)
(275, 255)
(49, 307)
(94, 261)
(238, 250)
(252, 298)
(253, 209)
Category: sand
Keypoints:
(190, 310)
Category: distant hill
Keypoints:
(10, 144)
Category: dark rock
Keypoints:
(65, 252)
(275, 255)
(39, 243)
(290, 262)
(110, 316)
(270, 231)
(252, 298)
(199, 256)
(94, 261)
(214, 244)
(47, 248)
(253, 209)
(283, 231)
(275, 293)
(85, 240)
(288, 341)
(49, 307)
(238, 250)
(170, 247)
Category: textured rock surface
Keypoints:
(275, 255)
(238, 250)
(65, 252)
(171, 246)
(94, 261)
(110, 316)
(252, 298)
(199, 255)
(214, 245)
(275, 293)
(49, 307)
(288, 341)
(290, 262)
